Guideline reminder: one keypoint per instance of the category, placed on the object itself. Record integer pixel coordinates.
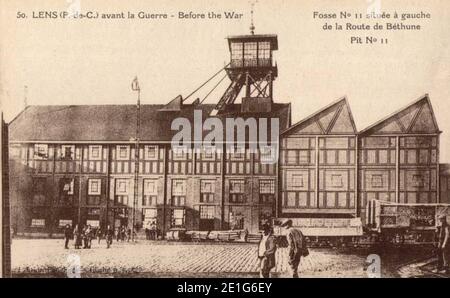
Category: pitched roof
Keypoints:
(417, 117)
(334, 119)
(115, 123)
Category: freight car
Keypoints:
(386, 223)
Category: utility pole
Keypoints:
(135, 87)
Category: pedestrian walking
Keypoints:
(266, 252)
(117, 232)
(296, 246)
(122, 233)
(99, 234)
(109, 234)
(443, 234)
(78, 237)
(128, 234)
(87, 237)
(68, 234)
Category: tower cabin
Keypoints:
(251, 66)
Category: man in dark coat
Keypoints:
(296, 246)
(67, 236)
(109, 234)
(443, 234)
(78, 237)
(266, 252)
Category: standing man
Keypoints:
(78, 239)
(296, 246)
(109, 234)
(147, 230)
(67, 236)
(443, 234)
(266, 252)
(153, 231)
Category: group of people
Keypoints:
(267, 247)
(151, 231)
(83, 236)
(124, 234)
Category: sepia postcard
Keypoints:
(225, 139)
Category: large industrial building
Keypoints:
(78, 164)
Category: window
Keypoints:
(178, 187)
(150, 192)
(237, 186)
(150, 217)
(150, 213)
(371, 156)
(207, 212)
(267, 186)
(291, 157)
(295, 181)
(267, 191)
(94, 186)
(336, 181)
(264, 53)
(303, 156)
(151, 152)
(412, 157)
(64, 222)
(178, 192)
(208, 153)
(95, 152)
(377, 181)
(423, 156)
(178, 216)
(179, 154)
(237, 191)
(123, 152)
(383, 156)
(238, 154)
(250, 54)
(236, 54)
(40, 151)
(67, 152)
(207, 189)
(268, 155)
(342, 157)
(331, 156)
(150, 187)
(35, 222)
(122, 186)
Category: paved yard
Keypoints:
(47, 256)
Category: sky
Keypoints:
(93, 61)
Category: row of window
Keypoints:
(67, 152)
(150, 191)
